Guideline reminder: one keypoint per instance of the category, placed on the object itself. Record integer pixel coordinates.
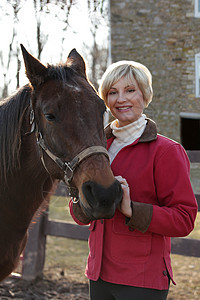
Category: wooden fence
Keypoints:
(34, 254)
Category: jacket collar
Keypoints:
(149, 134)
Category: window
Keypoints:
(197, 74)
(197, 9)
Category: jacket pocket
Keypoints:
(92, 238)
(129, 246)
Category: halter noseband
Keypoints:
(69, 167)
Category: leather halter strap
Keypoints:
(69, 167)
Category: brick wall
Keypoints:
(164, 35)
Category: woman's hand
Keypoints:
(125, 205)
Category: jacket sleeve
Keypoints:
(176, 211)
(77, 214)
(141, 216)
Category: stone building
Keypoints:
(164, 35)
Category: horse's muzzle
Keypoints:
(101, 201)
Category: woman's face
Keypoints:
(125, 101)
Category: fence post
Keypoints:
(34, 253)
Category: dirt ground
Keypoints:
(58, 284)
(48, 287)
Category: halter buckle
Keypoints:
(75, 199)
(68, 166)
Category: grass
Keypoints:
(65, 256)
(68, 257)
(195, 180)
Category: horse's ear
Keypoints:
(35, 70)
(76, 61)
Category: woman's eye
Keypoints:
(131, 90)
(50, 117)
(112, 93)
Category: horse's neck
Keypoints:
(23, 194)
(17, 211)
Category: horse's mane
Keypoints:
(12, 111)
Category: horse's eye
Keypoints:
(50, 117)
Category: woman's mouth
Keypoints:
(123, 108)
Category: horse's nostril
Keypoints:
(98, 196)
(102, 201)
(89, 193)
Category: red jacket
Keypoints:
(157, 171)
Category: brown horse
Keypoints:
(49, 130)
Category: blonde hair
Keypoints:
(129, 70)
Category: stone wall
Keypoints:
(164, 35)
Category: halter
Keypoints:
(67, 167)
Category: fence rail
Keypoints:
(34, 254)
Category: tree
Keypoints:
(30, 22)
(12, 12)
(98, 52)
(12, 51)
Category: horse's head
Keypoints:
(69, 119)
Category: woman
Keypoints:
(130, 254)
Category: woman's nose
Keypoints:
(121, 98)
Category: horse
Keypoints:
(50, 130)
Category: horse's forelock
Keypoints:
(67, 76)
(60, 72)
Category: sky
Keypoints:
(77, 33)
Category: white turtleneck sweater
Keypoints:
(125, 135)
